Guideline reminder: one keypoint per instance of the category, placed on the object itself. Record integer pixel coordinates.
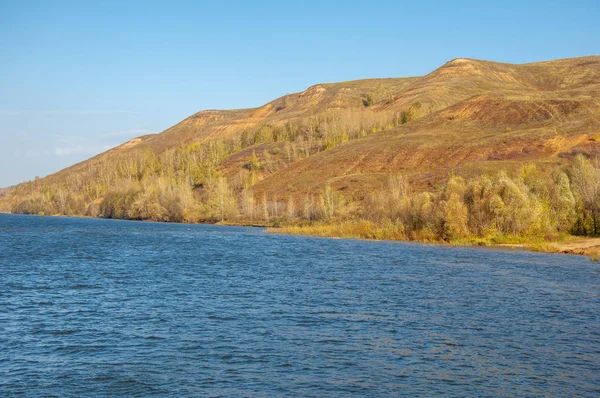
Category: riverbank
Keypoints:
(573, 245)
(566, 245)
(582, 246)
(441, 312)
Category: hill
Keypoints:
(5, 191)
(467, 119)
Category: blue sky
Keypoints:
(78, 77)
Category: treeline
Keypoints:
(190, 184)
(534, 205)
(187, 184)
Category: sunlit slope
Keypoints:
(475, 117)
(291, 108)
(463, 78)
(455, 81)
(510, 114)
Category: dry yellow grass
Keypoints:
(494, 116)
(478, 117)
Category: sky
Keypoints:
(80, 77)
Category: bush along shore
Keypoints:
(554, 211)
(540, 208)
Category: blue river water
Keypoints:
(102, 308)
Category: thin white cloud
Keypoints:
(68, 138)
(71, 150)
(68, 112)
(126, 133)
(8, 112)
(28, 154)
(132, 133)
(77, 145)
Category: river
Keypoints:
(92, 307)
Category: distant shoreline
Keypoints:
(581, 246)
(574, 245)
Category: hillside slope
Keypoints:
(456, 81)
(467, 118)
(481, 133)
(292, 108)
(492, 116)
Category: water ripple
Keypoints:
(114, 308)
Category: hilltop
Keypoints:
(467, 119)
(489, 116)
(5, 191)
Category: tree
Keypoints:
(517, 211)
(586, 181)
(563, 203)
(265, 206)
(147, 207)
(221, 199)
(248, 204)
(290, 208)
(328, 203)
(254, 163)
(456, 216)
(411, 114)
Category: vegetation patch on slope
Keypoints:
(475, 152)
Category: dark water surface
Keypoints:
(117, 308)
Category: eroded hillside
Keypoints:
(467, 119)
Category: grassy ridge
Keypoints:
(364, 229)
(413, 159)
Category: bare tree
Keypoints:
(586, 181)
